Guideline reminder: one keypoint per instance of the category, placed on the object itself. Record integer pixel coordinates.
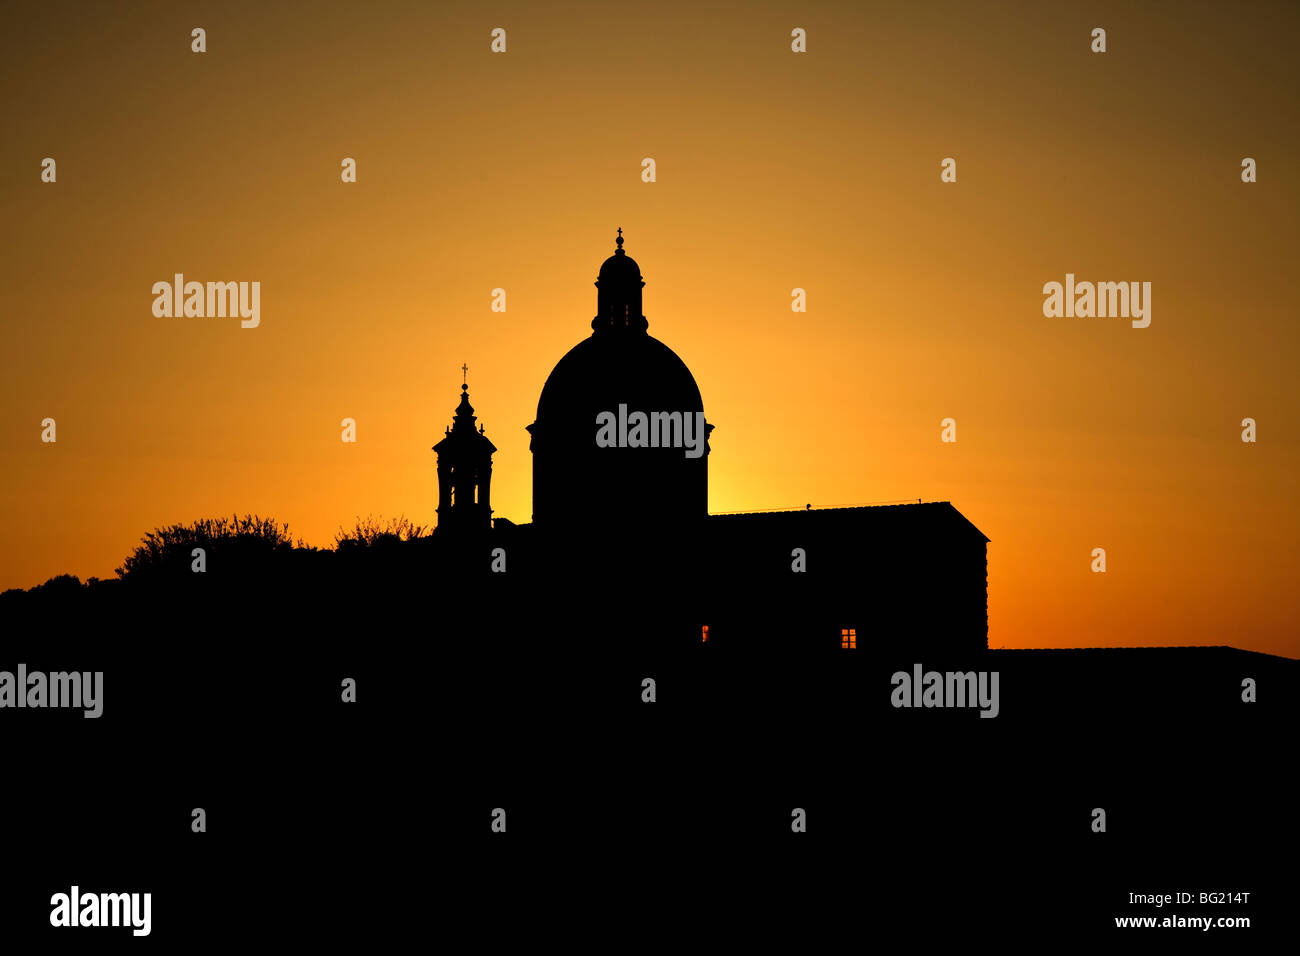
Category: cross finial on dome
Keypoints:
(619, 242)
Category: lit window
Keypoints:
(706, 634)
(849, 638)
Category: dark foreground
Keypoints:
(626, 821)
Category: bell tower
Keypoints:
(464, 473)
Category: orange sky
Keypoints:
(775, 171)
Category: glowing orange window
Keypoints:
(706, 634)
(849, 638)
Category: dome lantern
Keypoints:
(618, 293)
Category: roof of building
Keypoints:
(900, 517)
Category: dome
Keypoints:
(603, 370)
(620, 267)
(620, 371)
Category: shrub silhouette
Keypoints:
(369, 532)
(233, 542)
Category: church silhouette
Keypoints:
(637, 509)
(622, 567)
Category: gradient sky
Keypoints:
(775, 171)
